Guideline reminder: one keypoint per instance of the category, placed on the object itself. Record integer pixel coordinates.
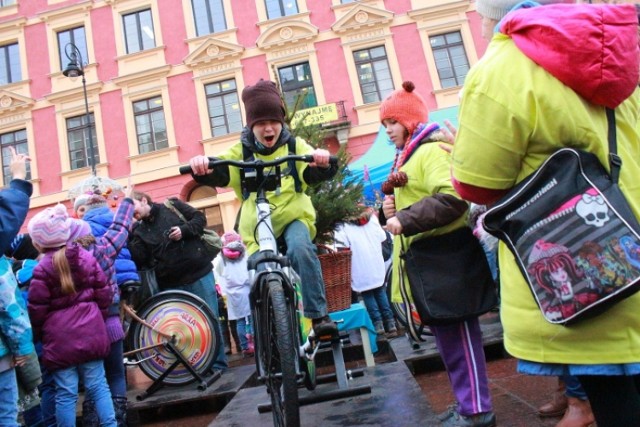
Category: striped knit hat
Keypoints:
(78, 228)
(50, 228)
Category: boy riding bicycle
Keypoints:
(266, 137)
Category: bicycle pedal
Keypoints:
(328, 338)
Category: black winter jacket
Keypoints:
(176, 263)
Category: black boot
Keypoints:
(120, 407)
(89, 414)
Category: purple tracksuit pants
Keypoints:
(461, 349)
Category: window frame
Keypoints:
(84, 128)
(8, 51)
(82, 46)
(458, 80)
(380, 93)
(148, 113)
(298, 86)
(21, 146)
(282, 7)
(210, 21)
(222, 95)
(138, 30)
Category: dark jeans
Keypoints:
(615, 400)
(377, 304)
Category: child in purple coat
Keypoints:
(68, 301)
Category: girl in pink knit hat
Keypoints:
(68, 300)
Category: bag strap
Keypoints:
(406, 302)
(168, 203)
(615, 162)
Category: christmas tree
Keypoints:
(335, 200)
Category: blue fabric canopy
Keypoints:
(378, 159)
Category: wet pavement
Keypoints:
(515, 396)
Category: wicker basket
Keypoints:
(336, 272)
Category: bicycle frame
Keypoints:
(267, 263)
(275, 299)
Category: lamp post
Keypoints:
(74, 69)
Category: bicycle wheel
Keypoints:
(399, 309)
(279, 355)
(193, 325)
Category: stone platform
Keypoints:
(395, 401)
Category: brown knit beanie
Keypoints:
(262, 102)
(406, 107)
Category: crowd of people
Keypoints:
(521, 102)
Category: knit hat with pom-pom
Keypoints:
(406, 107)
(78, 228)
(51, 227)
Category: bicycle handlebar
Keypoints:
(307, 158)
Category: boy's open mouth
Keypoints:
(269, 138)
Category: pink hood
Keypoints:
(593, 49)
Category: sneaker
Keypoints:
(324, 326)
(448, 413)
(486, 419)
(379, 327)
(248, 353)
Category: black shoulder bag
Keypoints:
(449, 278)
(572, 233)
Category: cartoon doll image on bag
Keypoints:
(565, 286)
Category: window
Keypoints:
(213, 213)
(451, 59)
(208, 16)
(4, 3)
(279, 8)
(10, 64)
(151, 128)
(78, 136)
(138, 31)
(374, 74)
(77, 37)
(296, 81)
(224, 109)
(17, 140)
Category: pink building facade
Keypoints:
(164, 78)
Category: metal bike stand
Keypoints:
(157, 384)
(341, 376)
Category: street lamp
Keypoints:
(74, 69)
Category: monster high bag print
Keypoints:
(573, 234)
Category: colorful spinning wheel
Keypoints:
(191, 324)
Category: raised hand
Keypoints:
(128, 190)
(18, 165)
(450, 133)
